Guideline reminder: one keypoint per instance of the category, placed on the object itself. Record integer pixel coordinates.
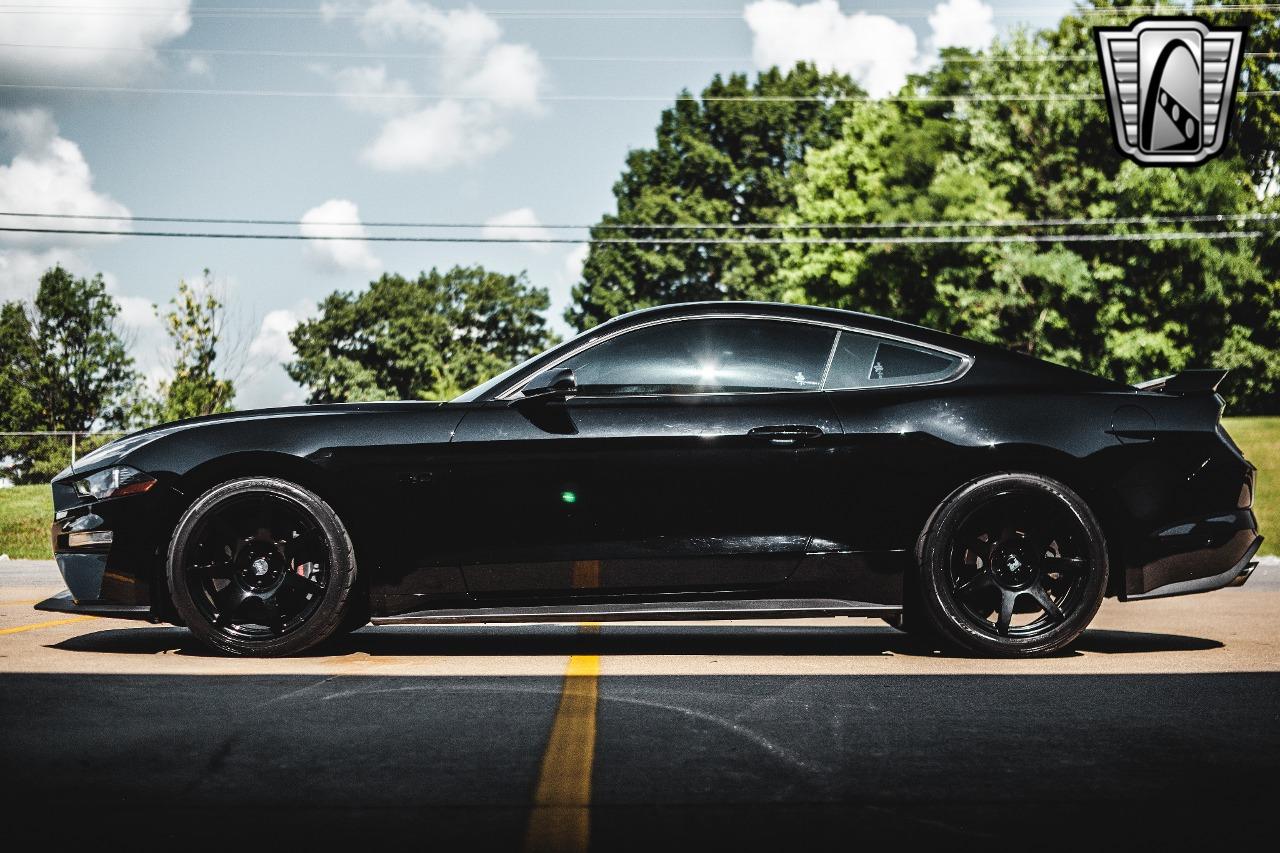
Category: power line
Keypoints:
(349, 54)
(681, 226)
(624, 15)
(414, 96)
(466, 96)
(762, 241)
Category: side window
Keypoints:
(865, 361)
(707, 355)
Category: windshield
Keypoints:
(488, 385)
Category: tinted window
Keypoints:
(703, 356)
(864, 361)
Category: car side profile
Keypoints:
(700, 461)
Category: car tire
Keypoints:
(1011, 565)
(261, 567)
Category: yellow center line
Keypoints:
(51, 623)
(17, 602)
(561, 817)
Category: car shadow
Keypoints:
(524, 640)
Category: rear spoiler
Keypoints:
(1186, 382)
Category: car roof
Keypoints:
(998, 365)
(811, 313)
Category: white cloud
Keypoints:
(875, 50)
(338, 255)
(521, 224)
(368, 89)
(474, 62)
(47, 174)
(95, 43)
(461, 33)
(447, 134)
(20, 270)
(149, 343)
(271, 345)
(574, 261)
(509, 74)
(962, 23)
(265, 383)
(199, 66)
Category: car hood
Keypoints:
(114, 450)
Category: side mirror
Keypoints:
(554, 384)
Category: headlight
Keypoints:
(113, 483)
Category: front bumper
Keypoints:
(86, 575)
(108, 552)
(63, 602)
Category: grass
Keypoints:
(26, 511)
(1259, 438)
(25, 515)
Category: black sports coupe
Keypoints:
(702, 461)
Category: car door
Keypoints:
(895, 442)
(683, 462)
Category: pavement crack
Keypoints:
(219, 756)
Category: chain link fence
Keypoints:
(28, 455)
(73, 437)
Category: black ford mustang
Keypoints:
(721, 460)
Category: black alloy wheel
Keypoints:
(261, 566)
(1012, 565)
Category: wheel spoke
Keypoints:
(273, 615)
(973, 543)
(980, 581)
(1064, 565)
(1042, 598)
(305, 586)
(264, 518)
(305, 547)
(217, 569)
(230, 600)
(1008, 599)
(1038, 536)
(221, 537)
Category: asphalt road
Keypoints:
(1161, 725)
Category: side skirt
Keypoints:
(755, 608)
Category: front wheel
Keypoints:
(1012, 565)
(260, 566)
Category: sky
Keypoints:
(415, 111)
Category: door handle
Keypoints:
(784, 436)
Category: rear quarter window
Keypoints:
(866, 361)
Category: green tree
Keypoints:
(426, 338)
(195, 323)
(715, 161)
(1131, 310)
(65, 367)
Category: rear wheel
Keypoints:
(1012, 565)
(261, 566)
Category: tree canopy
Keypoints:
(1128, 309)
(65, 367)
(715, 161)
(194, 323)
(426, 338)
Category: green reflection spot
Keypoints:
(568, 497)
